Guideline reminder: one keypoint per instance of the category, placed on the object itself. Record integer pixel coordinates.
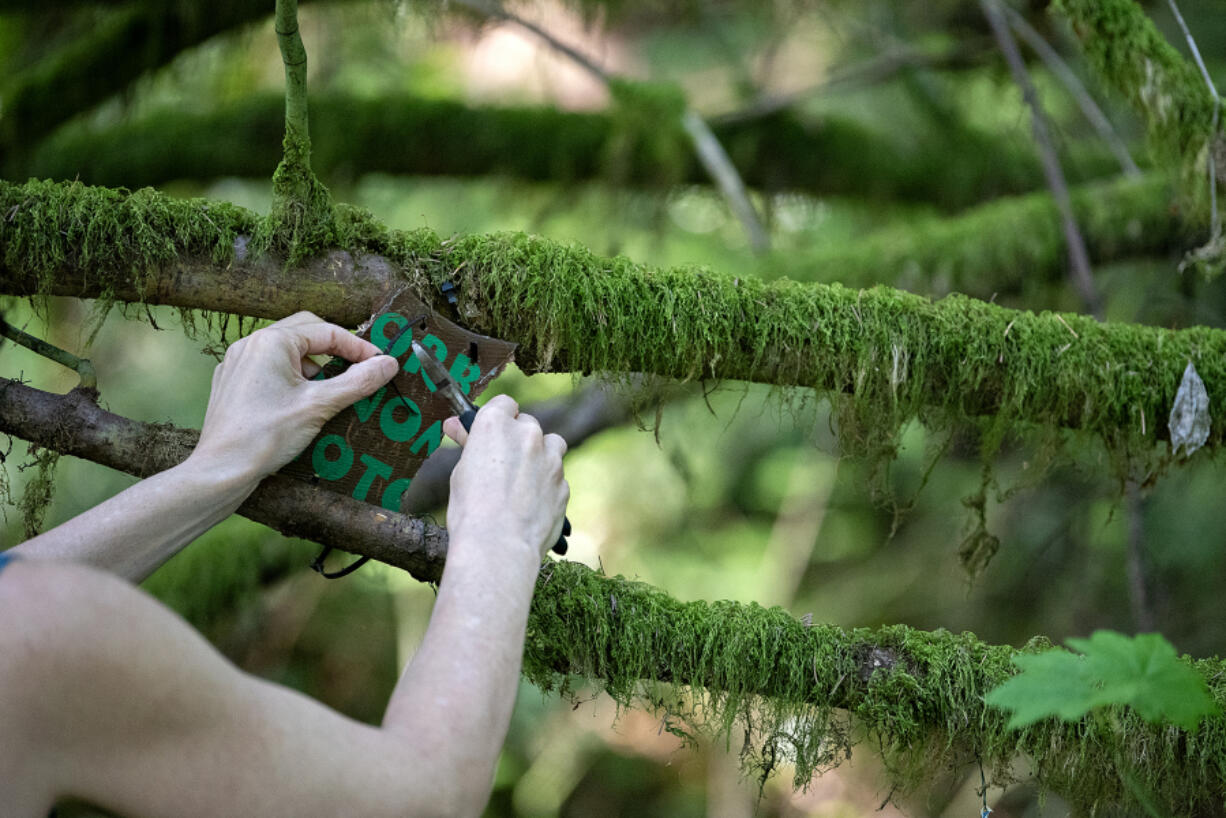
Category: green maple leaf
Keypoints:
(1142, 672)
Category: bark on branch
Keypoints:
(73, 424)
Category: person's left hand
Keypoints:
(264, 409)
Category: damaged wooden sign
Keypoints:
(371, 450)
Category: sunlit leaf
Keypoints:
(1142, 672)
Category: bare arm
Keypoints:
(263, 410)
(111, 698)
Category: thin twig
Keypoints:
(720, 168)
(293, 55)
(1215, 224)
(1089, 108)
(710, 152)
(1079, 258)
(1138, 582)
(81, 366)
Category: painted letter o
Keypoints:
(332, 469)
(400, 431)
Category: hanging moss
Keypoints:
(39, 490)
(806, 694)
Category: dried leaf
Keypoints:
(1190, 415)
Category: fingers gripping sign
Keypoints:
(264, 409)
(382, 428)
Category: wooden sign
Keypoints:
(371, 450)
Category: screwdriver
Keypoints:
(466, 412)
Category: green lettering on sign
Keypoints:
(380, 337)
(400, 430)
(327, 468)
(464, 372)
(393, 493)
(429, 438)
(367, 406)
(434, 343)
(374, 468)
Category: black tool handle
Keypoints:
(559, 548)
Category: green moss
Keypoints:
(884, 356)
(1128, 52)
(39, 490)
(301, 221)
(806, 694)
(220, 573)
(1004, 246)
(111, 233)
(646, 128)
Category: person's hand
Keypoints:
(508, 486)
(264, 409)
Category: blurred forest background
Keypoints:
(882, 142)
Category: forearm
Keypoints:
(457, 694)
(134, 532)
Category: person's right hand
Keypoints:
(264, 409)
(508, 486)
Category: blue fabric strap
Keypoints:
(5, 559)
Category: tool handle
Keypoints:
(559, 548)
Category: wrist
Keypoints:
(501, 553)
(227, 481)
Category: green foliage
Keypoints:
(646, 121)
(1143, 673)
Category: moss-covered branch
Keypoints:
(1128, 52)
(917, 696)
(122, 46)
(411, 135)
(1004, 246)
(884, 355)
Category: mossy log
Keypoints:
(402, 134)
(802, 693)
(885, 356)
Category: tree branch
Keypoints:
(1089, 108)
(777, 151)
(997, 248)
(73, 424)
(1079, 258)
(885, 355)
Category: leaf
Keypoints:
(1142, 672)
(1189, 421)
